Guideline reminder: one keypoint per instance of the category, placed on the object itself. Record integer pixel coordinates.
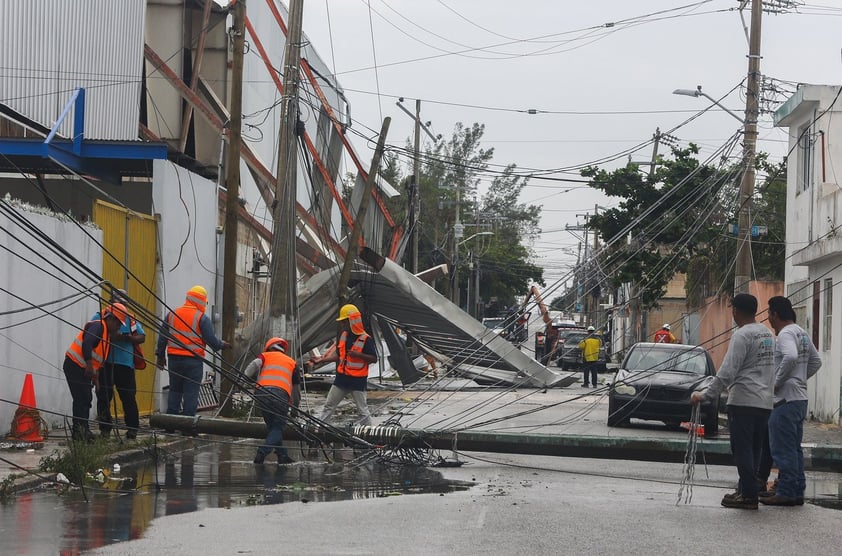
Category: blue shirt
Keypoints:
(122, 352)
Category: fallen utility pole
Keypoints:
(716, 451)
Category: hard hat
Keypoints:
(666, 326)
(198, 294)
(116, 310)
(591, 329)
(276, 343)
(119, 296)
(346, 311)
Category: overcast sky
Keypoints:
(602, 71)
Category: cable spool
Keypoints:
(28, 425)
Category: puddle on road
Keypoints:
(212, 476)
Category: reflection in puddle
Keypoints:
(213, 476)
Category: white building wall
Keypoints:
(32, 340)
(186, 205)
(814, 246)
(51, 47)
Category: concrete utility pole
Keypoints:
(415, 198)
(743, 263)
(359, 219)
(232, 199)
(283, 292)
(458, 234)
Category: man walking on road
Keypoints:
(796, 360)
(353, 353)
(183, 337)
(748, 373)
(664, 336)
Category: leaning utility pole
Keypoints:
(359, 218)
(743, 263)
(283, 292)
(232, 195)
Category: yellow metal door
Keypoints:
(129, 261)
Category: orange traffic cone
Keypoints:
(27, 423)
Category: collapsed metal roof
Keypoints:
(393, 294)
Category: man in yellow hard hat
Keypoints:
(184, 335)
(353, 353)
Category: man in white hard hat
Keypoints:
(590, 356)
(664, 336)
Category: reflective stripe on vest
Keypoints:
(662, 337)
(98, 354)
(349, 363)
(186, 339)
(277, 371)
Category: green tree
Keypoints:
(688, 230)
(451, 172)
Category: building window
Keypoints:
(828, 312)
(805, 159)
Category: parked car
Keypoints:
(655, 381)
(569, 354)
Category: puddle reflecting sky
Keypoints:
(214, 476)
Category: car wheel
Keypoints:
(617, 417)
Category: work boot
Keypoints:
(285, 460)
(731, 495)
(739, 502)
(585, 385)
(779, 500)
(259, 458)
(83, 435)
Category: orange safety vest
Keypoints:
(277, 371)
(663, 337)
(184, 331)
(98, 354)
(349, 363)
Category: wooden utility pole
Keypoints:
(415, 198)
(232, 199)
(283, 292)
(743, 263)
(359, 219)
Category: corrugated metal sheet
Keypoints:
(129, 239)
(51, 47)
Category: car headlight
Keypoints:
(624, 389)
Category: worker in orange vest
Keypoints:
(184, 335)
(278, 377)
(664, 336)
(353, 353)
(83, 361)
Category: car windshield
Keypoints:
(661, 359)
(574, 337)
(493, 322)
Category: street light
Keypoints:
(473, 279)
(697, 92)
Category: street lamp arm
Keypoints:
(699, 93)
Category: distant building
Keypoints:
(813, 238)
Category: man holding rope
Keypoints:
(748, 373)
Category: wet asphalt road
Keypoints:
(520, 505)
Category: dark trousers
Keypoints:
(274, 405)
(747, 427)
(186, 375)
(590, 367)
(764, 466)
(121, 377)
(81, 390)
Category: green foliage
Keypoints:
(452, 170)
(78, 460)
